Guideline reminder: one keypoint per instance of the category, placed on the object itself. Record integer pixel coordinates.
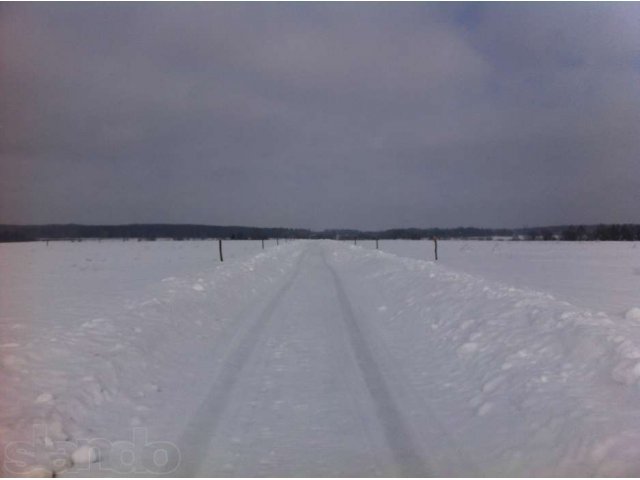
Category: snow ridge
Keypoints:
(528, 384)
(104, 379)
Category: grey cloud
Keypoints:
(320, 115)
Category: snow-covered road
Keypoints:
(305, 388)
(313, 358)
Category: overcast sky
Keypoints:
(310, 115)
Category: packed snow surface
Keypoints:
(315, 358)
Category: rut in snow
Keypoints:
(406, 453)
(198, 433)
(311, 313)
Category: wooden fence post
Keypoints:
(220, 248)
(277, 242)
(376, 244)
(263, 243)
(435, 247)
(355, 241)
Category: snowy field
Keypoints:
(320, 358)
(601, 276)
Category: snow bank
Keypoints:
(528, 385)
(110, 356)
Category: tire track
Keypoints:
(200, 431)
(405, 450)
(442, 452)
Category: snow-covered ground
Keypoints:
(318, 358)
(601, 276)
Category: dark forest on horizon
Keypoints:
(27, 233)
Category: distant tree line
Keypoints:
(415, 233)
(25, 233)
(616, 232)
(22, 233)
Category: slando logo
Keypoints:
(136, 456)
